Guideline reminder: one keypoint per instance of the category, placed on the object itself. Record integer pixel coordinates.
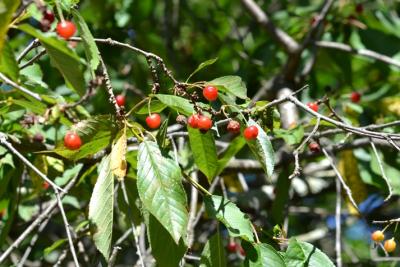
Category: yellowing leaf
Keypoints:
(41, 164)
(348, 168)
(118, 157)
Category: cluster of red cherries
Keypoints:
(202, 122)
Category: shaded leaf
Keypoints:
(8, 63)
(7, 9)
(101, 207)
(156, 106)
(234, 147)
(54, 246)
(202, 66)
(160, 189)
(63, 58)
(163, 247)
(259, 255)
(204, 152)
(213, 254)
(237, 222)
(91, 50)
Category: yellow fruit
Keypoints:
(377, 236)
(390, 245)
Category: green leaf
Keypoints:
(262, 149)
(8, 63)
(291, 136)
(234, 147)
(164, 249)
(204, 152)
(231, 84)
(32, 105)
(202, 66)
(237, 223)
(259, 255)
(7, 9)
(305, 254)
(63, 58)
(161, 136)
(156, 106)
(54, 246)
(180, 104)
(213, 254)
(96, 134)
(101, 207)
(91, 50)
(160, 189)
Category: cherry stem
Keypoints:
(59, 11)
(196, 184)
(136, 106)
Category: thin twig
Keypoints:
(133, 227)
(35, 43)
(339, 176)
(338, 223)
(33, 60)
(297, 168)
(192, 212)
(19, 87)
(110, 89)
(382, 169)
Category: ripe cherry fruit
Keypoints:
(66, 29)
(241, 251)
(204, 123)
(48, 15)
(45, 185)
(313, 106)
(377, 236)
(355, 97)
(250, 132)
(232, 246)
(193, 121)
(72, 141)
(314, 147)
(210, 93)
(120, 100)
(233, 127)
(359, 8)
(153, 121)
(38, 137)
(390, 245)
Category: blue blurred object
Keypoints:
(372, 202)
(330, 221)
(358, 231)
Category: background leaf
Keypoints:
(304, 254)
(7, 8)
(202, 66)
(231, 84)
(213, 254)
(180, 104)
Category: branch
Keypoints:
(287, 42)
(19, 87)
(338, 223)
(360, 52)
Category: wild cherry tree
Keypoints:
(198, 133)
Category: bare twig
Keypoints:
(35, 43)
(133, 227)
(338, 223)
(382, 169)
(360, 52)
(192, 211)
(19, 87)
(33, 60)
(297, 168)
(339, 176)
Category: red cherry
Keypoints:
(233, 127)
(72, 141)
(66, 29)
(250, 132)
(204, 123)
(120, 100)
(193, 121)
(153, 121)
(314, 147)
(232, 246)
(48, 15)
(210, 93)
(355, 97)
(38, 137)
(45, 185)
(313, 105)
